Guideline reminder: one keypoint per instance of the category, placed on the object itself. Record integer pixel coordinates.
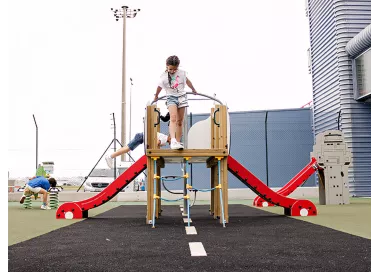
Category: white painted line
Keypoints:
(191, 230)
(181, 206)
(197, 249)
(185, 220)
(181, 209)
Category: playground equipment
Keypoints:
(53, 197)
(330, 159)
(334, 157)
(48, 166)
(297, 181)
(27, 202)
(214, 155)
(206, 143)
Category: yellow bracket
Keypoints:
(219, 158)
(155, 158)
(186, 197)
(186, 175)
(218, 186)
(187, 158)
(156, 196)
(156, 177)
(188, 186)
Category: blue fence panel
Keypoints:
(289, 143)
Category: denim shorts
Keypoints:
(136, 141)
(180, 101)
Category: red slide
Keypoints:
(292, 207)
(297, 181)
(79, 209)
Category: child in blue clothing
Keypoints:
(39, 185)
(162, 139)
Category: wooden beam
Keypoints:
(187, 153)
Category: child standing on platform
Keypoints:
(174, 81)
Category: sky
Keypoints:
(65, 67)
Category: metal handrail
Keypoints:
(204, 95)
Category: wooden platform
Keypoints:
(176, 156)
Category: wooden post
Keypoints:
(223, 163)
(224, 182)
(158, 191)
(151, 143)
(217, 212)
(159, 165)
(212, 181)
(216, 193)
(149, 189)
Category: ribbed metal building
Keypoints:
(340, 50)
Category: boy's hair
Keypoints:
(172, 60)
(53, 182)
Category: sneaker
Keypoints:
(22, 199)
(109, 161)
(176, 145)
(45, 207)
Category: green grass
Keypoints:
(354, 218)
(24, 224)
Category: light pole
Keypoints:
(130, 110)
(124, 13)
(114, 145)
(36, 141)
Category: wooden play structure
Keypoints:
(214, 157)
(207, 142)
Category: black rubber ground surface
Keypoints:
(254, 240)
